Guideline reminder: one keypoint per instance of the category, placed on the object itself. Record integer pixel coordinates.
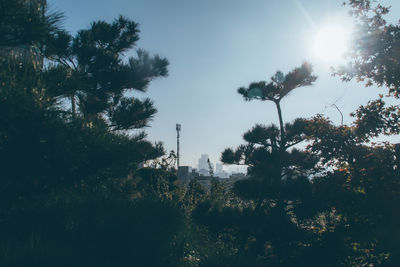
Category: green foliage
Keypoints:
(279, 87)
(92, 232)
(374, 57)
(58, 152)
(24, 23)
(167, 162)
(71, 193)
(70, 162)
(332, 204)
(132, 114)
(155, 183)
(362, 186)
(90, 71)
(363, 183)
(281, 84)
(376, 118)
(268, 231)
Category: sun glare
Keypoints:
(331, 43)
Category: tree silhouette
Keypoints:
(73, 174)
(278, 190)
(361, 181)
(91, 72)
(279, 87)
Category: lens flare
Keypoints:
(331, 43)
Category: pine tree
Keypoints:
(71, 171)
(90, 71)
(278, 183)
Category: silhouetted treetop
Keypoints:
(92, 72)
(280, 85)
(117, 37)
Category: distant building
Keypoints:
(237, 176)
(183, 174)
(219, 171)
(203, 162)
(222, 175)
(218, 168)
(204, 172)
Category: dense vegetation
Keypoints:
(72, 141)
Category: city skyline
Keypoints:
(203, 165)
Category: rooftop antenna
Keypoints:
(178, 130)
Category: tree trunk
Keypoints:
(282, 142)
(73, 105)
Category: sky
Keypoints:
(217, 46)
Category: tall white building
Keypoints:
(203, 164)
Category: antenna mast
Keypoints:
(178, 129)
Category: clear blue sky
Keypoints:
(216, 46)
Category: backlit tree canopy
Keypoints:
(375, 54)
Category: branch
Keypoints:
(295, 143)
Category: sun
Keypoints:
(331, 43)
